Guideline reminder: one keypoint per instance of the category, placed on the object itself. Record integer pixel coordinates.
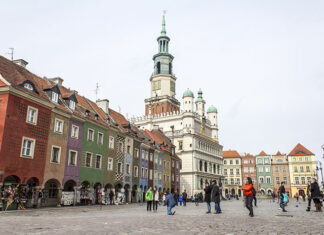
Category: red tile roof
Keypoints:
(300, 150)
(231, 153)
(278, 153)
(262, 153)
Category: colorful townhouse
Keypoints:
(264, 173)
(280, 171)
(136, 167)
(233, 173)
(144, 155)
(249, 169)
(302, 168)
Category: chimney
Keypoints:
(21, 62)
(103, 104)
(57, 80)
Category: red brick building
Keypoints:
(249, 169)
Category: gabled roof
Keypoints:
(278, 153)
(262, 153)
(231, 153)
(160, 138)
(300, 150)
(248, 155)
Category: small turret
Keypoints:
(212, 117)
(200, 104)
(188, 101)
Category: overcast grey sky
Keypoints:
(259, 62)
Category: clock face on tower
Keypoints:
(165, 61)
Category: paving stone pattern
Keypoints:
(133, 219)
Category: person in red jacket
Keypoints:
(248, 191)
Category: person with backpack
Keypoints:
(283, 196)
(149, 199)
(248, 191)
(170, 203)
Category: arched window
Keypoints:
(205, 166)
(158, 68)
(200, 165)
(201, 183)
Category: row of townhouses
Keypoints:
(59, 143)
(268, 171)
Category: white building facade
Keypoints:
(193, 131)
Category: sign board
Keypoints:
(67, 198)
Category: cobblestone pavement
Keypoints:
(133, 219)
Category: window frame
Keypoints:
(135, 171)
(112, 164)
(59, 154)
(127, 170)
(72, 106)
(121, 168)
(100, 164)
(90, 140)
(35, 116)
(102, 138)
(32, 148)
(77, 128)
(55, 95)
(62, 128)
(91, 156)
(111, 143)
(76, 157)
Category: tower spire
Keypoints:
(163, 31)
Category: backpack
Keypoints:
(285, 198)
(253, 191)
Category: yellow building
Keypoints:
(302, 168)
(232, 173)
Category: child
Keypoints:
(180, 199)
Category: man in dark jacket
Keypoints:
(316, 195)
(170, 203)
(184, 197)
(111, 197)
(207, 190)
(281, 191)
(215, 197)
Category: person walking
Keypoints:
(273, 197)
(316, 195)
(215, 197)
(149, 199)
(184, 197)
(309, 197)
(170, 203)
(111, 197)
(297, 196)
(248, 191)
(180, 199)
(282, 195)
(196, 199)
(176, 197)
(156, 197)
(207, 190)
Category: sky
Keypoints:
(259, 62)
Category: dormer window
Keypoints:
(54, 97)
(72, 105)
(28, 86)
(87, 112)
(96, 116)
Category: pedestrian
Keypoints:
(163, 197)
(184, 197)
(215, 197)
(248, 191)
(304, 197)
(149, 199)
(111, 197)
(283, 195)
(170, 203)
(297, 196)
(316, 195)
(176, 197)
(309, 197)
(254, 196)
(207, 190)
(197, 199)
(273, 197)
(155, 199)
(180, 199)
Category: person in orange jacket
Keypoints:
(248, 191)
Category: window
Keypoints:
(55, 157)
(306, 159)
(177, 178)
(246, 169)
(231, 162)
(260, 161)
(142, 172)
(295, 169)
(237, 171)
(180, 145)
(266, 161)
(58, 126)
(88, 159)
(277, 180)
(146, 155)
(285, 180)
(238, 181)
(98, 161)
(277, 169)
(137, 153)
(72, 158)
(225, 181)
(127, 169)
(283, 169)
(128, 149)
(72, 105)
(251, 169)
(172, 163)
(156, 85)
(119, 168)
(245, 161)
(28, 146)
(236, 162)
(267, 169)
(168, 178)
(268, 180)
(172, 86)
(110, 164)
(146, 173)
(301, 169)
(232, 181)
(75, 132)
(296, 180)
(225, 171)
(155, 174)
(111, 142)
(28, 86)
(294, 159)
(251, 161)
(261, 179)
(309, 179)
(231, 172)
(100, 138)
(303, 180)
(135, 171)
(260, 169)
(279, 160)
(52, 190)
(160, 162)
(177, 165)
(307, 169)
(300, 159)
(160, 176)
(120, 147)
(32, 114)
(151, 174)
(90, 135)
(151, 157)
(225, 162)
(54, 97)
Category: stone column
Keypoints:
(59, 197)
(75, 188)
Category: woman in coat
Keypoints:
(155, 199)
(207, 190)
(316, 195)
